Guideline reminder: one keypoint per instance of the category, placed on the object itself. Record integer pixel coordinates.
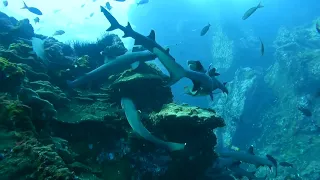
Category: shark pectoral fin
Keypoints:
(152, 35)
(135, 65)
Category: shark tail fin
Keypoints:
(260, 6)
(24, 5)
(114, 23)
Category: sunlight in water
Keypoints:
(68, 15)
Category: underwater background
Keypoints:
(127, 123)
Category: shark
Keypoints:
(116, 65)
(251, 158)
(176, 71)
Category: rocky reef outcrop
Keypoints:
(266, 104)
(50, 131)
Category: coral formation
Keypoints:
(49, 131)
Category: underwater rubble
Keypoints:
(49, 131)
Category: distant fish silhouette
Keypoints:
(83, 5)
(262, 47)
(31, 9)
(249, 12)
(205, 30)
(5, 3)
(108, 6)
(140, 2)
(120, 0)
(58, 33)
(305, 111)
(286, 164)
(36, 20)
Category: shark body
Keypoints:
(251, 158)
(117, 65)
(175, 70)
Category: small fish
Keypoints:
(108, 6)
(262, 47)
(58, 33)
(318, 27)
(5, 3)
(94, 0)
(120, 0)
(31, 9)
(286, 164)
(249, 12)
(140, 2)
(91, 14)
(83, 5)
(56, 11)
(36, 20)
(205, 30)
(305, 111)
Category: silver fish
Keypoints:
(249, 12)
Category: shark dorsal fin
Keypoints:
(126, 33)
(129, 26)
(250, 150)
(152, 35)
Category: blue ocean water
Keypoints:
(273, 97)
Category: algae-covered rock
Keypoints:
(15, 116)
(51, 93)
(145, 86)
(21, 49)
(41, 109)
(177, 121)
(33, 160)
(11, 75)
(12, 29)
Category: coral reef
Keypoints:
(10, 74)
(49, 131)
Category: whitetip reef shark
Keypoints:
(251, 158)
(176, 71)
(116, 65)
